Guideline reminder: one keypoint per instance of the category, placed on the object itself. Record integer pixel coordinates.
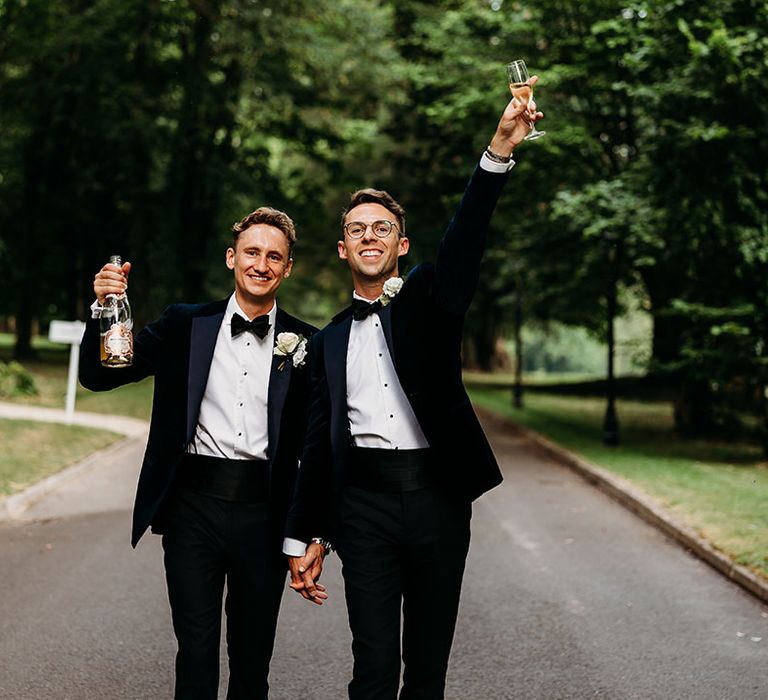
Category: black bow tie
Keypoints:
(259, 325)
(362, 309)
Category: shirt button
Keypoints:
(241, 404)
(391, 416)
(239, 434)
(379, 354)
(384, 385)
(244, 373)
(248, 344)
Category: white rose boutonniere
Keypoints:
(291, 346)
(391, 289)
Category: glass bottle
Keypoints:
(116, 328)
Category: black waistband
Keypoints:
(243, 480)
(394, 471)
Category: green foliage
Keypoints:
(146, 127)
(15, 380)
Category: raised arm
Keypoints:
(112, 279)
(460, 254)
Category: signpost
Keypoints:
(70, 332)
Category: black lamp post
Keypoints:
(517, 388)
(610, 420)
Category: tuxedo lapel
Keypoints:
(202, 342)
(279, 380)
(335, 352)
(386, 323)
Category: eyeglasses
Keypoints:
(357, 229)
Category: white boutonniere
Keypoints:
(391, 289)
(292, 347)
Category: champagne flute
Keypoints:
(520, 87)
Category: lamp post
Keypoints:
(610, 420)
(517, 388)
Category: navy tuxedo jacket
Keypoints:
(177, 349)
(423, 327)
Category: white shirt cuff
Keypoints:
(294, 548)
(96, 309)
(493, 167)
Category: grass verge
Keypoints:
(33, 451)
(720, 489)
(50, 372)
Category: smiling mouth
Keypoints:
(371, 254)
(259, 278)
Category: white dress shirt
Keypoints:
(379, 412)
(233, 413)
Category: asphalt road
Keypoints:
(567, 595)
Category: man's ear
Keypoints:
(342, 248)
(230, 258)
(403, 246)
(288, 268)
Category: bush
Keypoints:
(15, 380)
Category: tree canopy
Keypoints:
(146, 127)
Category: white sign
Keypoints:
(69, 332)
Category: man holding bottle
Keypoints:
(231, 392)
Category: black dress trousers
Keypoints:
(402, 549)
(207, 542)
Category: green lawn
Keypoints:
(50, 373)
(32, 451)
(720, 489)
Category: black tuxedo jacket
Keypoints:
(423, 327)
(177, 349)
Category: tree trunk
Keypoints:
(694, 409)
(694, 406)
(666, 339)
(28, 245)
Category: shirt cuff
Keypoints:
(294, 548)
(96, 309)
(491, 166)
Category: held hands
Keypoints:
(111, 279)
(305, 571)
(515, 123)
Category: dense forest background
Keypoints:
(146, 127)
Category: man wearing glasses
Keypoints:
(394, 454)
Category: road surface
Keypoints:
(567, 595)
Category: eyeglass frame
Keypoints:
(392, 225)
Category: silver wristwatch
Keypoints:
(327, 546)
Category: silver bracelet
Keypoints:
(497, 157)
(325, 544)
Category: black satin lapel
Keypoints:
(386, 323)
(336, 344)
(202, 342)
(279, 380)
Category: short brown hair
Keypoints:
(272, 217)
(371, 196)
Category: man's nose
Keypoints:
(368, 234)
